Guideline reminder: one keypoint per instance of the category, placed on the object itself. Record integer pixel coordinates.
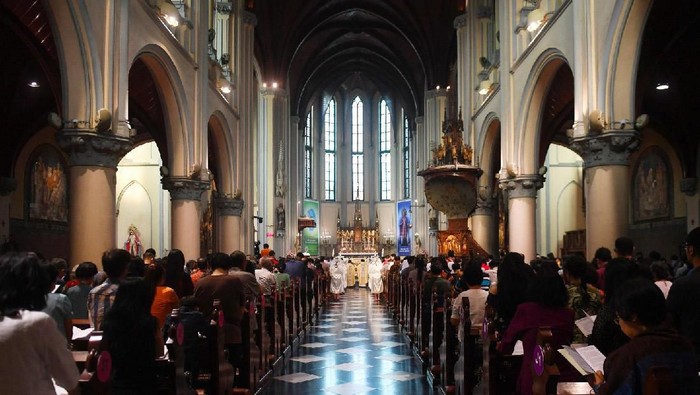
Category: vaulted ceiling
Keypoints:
(401, 46)
(670, 54)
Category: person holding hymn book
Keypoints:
(640, 309)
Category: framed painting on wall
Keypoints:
(47, 186)
(651, 186)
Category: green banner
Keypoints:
(309, 236)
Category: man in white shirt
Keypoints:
(477, 300)
(267, 282)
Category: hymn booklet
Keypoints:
(587, 360)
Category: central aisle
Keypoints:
(355, 349)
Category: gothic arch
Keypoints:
(174, 100)
(489, 148)
(625, 42)
(220, 135)
(529, 120)
(81, 71)
(140, 212)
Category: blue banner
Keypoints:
(310, 235)
(404, 225)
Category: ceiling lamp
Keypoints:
(662, 86)
(33, 84)
(169, 13)
(484, 87)
(534, 20)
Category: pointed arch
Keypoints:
(534, 96)
(174, 100)
(220, 135)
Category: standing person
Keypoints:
(33, 350)
(130, 334)
(101, 298)
(267, 283)
(266, 250)
(661, 276)
(165, 299)
(477, 299)
(175, 276)
(58, 305)
(337, 280)
(584, 299)
(624, 248)
(546, 306)
(601, 259)
(229, 290)
(376, 284)
(201, 268)
(684, 294)
(78, 294)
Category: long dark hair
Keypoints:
(514, 275)
(23, 283)
(575, 266)
(174, 270)
(134, 299)
(420, 268)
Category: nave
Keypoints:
(355, 348)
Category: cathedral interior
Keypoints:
(224, 123)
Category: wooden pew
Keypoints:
(176, 354)
(499, 372)
(472, 335)
(545, 372)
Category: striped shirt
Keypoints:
(100, 299)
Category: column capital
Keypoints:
(419, 120)
(294, 119)
(484, 206)
(86, 147)
(460, 21)
(524, 186)
(434, 93)
(229, 206)
(184, 188)
(249, 18)
(610, 148)
(274, 92)
(7, 185)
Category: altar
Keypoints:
(357, 238)
(358, 268)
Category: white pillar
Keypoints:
(185, 197)
(228, 212)
(606, 185)
(91, 213)
(522, 199)
(247, 109)
(483, 225)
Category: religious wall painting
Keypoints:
(651, 186)
(47, 186)
(403, 226)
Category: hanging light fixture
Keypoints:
(169, 13)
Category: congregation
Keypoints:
(643, 307)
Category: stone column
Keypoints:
(522, 198)
(185, 197)
(228, 226)
(483, 226)
(7, 186)
(606, 187)
(93, 160)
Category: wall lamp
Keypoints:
(169, 13)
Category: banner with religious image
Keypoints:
(403, 227)
(309, 236)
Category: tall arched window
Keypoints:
(406, 158)
(329, 134)
(384, 151)
(358, 190)
(308, 141)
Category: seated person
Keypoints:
(641, 311)
(546, 307)
(58, 305)
(471, 277)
